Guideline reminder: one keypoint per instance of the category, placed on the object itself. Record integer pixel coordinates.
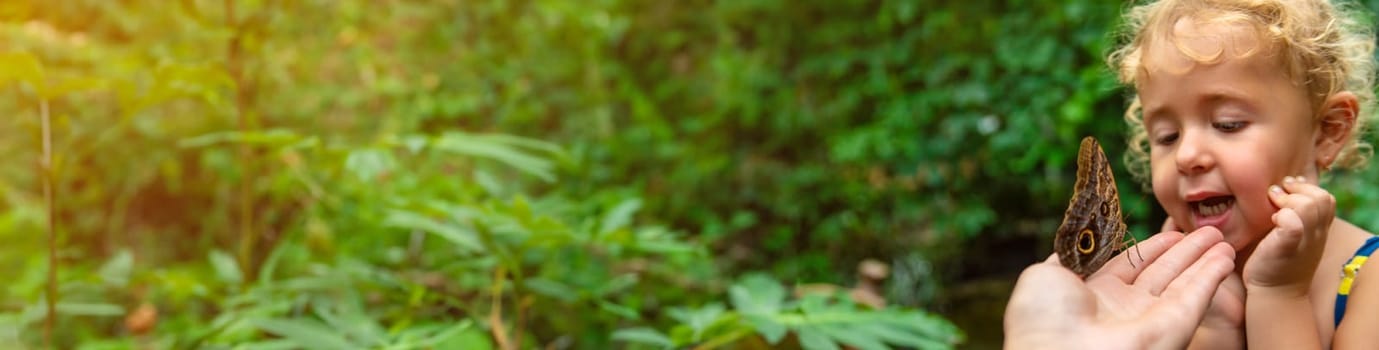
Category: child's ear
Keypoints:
(1337, 123)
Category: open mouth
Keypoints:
(1213, 206)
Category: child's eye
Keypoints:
(1228, 126)
(1166, 139)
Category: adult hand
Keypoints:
(1155, 303)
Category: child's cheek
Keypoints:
(1257, 210)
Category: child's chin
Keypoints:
(1242, 241)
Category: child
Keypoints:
(1241, 106)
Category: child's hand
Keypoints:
(1286, 258)
(1223, 326)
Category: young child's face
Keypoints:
(1221, 133)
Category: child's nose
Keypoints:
(1193, 155)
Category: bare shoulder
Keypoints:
(1342, 242)
(1362, 305)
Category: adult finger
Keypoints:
(1123, 268)
(1205, 274)
(1176, 260)
(1185, 300)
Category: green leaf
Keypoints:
(812, 339)
(493, 148)
(620, 310)
(931, 326)
(465, 239)
(551, 288)
(523, 142)
(275, 344)
(488, 182)
(768, 328)
(757, 294)
(225, 267)
(620, 216)
(846, 335)
(643, 335)
(894, 334)
(657, 240)
(115, 273)
(698, 320)
(270, 264)
(446, 334)
(367, 164)
(469, 338)
(351, 320)
(812, 304)
(205, 81)
(617, 284)
(305, 332)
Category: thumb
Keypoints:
(1048, 291)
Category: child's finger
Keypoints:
(1277, 196)
(1313, 203)
(1298, 186)
(1288, 227)
(1294, 183)
(1288, 219)
(1318, 203)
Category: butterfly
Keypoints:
(1092, 230)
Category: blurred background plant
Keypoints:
(544, 174)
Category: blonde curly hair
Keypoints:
(1326, 48)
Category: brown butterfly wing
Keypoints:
(1092, 228)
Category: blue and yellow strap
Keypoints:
(1348, 273)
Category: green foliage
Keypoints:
(270, 168)
(543, 174)
(816, 322)
(384, 234)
